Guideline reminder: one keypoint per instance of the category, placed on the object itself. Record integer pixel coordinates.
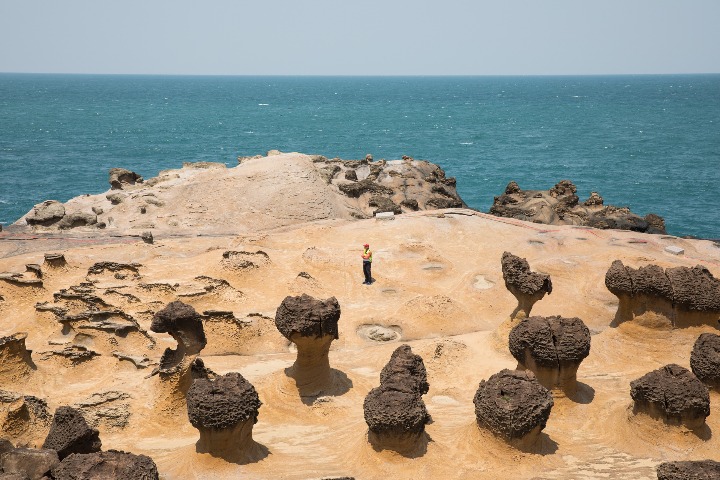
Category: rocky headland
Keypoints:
(212, 322)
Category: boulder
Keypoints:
(384, 204)
(120, 177)
(553, 348)
(672, 394)
(527, 287)
(110, 465)
(31, 462)
(514, 406)
(356, 189)
(405, 372)
(705, 359)
(46, 213)
(70, 433)
(689, 470)
(224, 410)
(77, 219)
(311, 324)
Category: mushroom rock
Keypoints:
(55, 260)
(672, 394)
(311, 324)
(224, 410)
(70, 433)
(677, 297)
(552, 348)
(705, 359)
(110, 465)
(15, 360)
(527, 287)
(395, 412)
(514, 406)
(689, 470)
(120, 177)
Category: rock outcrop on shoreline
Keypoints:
(560, 205)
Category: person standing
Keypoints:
(367, 264)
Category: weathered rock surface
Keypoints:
(514, 406)
(15, 359)
(395, 412)
(110, 465)
(31, 462)
(560, 206)
(677, 297)
(311, 324)
(22, 417)
(705, 359)
(689, 470)
(552, 348)
(224, 410)
(528, 287)
(46, 213)
(70, 433)
(120, 177)
(672, 394)
(77, 219)
(184, 324)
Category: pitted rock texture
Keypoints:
(528, 287)
(184, 324)
(689, 470)
(673, 394)
(222, 403)
(33, 463)
(560, 206)
(684, 296)
(512, 404)
(552, 342)
(705, 359)
(405, 372)
(120, 177)
(110, 465)
(391, 411)
(70, 433)
(308, 317)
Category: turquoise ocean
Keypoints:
(651, 143)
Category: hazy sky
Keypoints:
(360, 37)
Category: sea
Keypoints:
(648, 142)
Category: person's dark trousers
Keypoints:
(366, 271)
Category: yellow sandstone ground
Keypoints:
(438, 288)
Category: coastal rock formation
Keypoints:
(677, 297)
(395, 412)
(70, 433)
(311, 324)
(55, 260)
(184, 324)
(224, 410)
(528, 287)
(689, 470)
(514, 406)
(23, 417)
(705, 359)
(561, 206)
(553, 348)
(46, 213)
(120, 177)
(15, 360)
(110, 465)
(29, 463)
(672, 394)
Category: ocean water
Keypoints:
(651, 143)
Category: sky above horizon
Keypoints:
(372, 37)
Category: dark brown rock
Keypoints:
(110, 465)
(553, 348)
(689, 470)
(308, 317)
(55, 260)
(443, 202)
(384, 204)
(672, 394)
(184, 324)
(70, 433)
(351, 175)
(528, 287)
(694, 288)
(100, 267)
(705, 359)
(120, 177)
(405, 372)
(514, 406)
(32, 462)
(356, 189)
(410, 203)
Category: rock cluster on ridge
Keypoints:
(678, 296)
(553, 348)
(561, 206)
(672, 394)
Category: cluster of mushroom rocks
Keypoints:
(224, 410)
(514, 406)
(679, 296)
(71, 451)
(552, 348)
(689, 470)
(311, 324)
(528, 287)
(395, 412)
(672, 394)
